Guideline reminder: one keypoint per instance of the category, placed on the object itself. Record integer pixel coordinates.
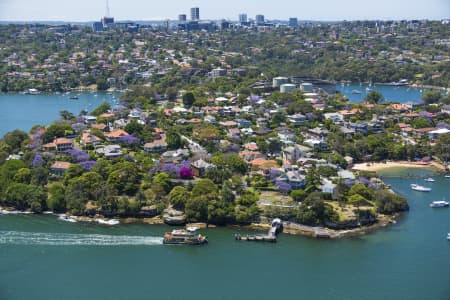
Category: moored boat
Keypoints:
(429, 179)
(447, 176)
(184, 237)
(420, 188)
(439, 204)
(356, 92)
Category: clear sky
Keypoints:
(89, 10)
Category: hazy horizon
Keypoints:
(319, 10)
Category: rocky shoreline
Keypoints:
(288, 227)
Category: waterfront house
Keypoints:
(446, 109)
(243, 123)
(294, 179)
(174, 156)
(437, 133)
(88, 139)
(250, 155)
(335, 117)
(115, 135)
(59, 167)
(199, 167)
(297, 119)
(59, 144)
(157, 146)
(109, 151)
(291, 153)
(101, 126)
(327, 186)
(210, 119)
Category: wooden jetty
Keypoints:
(271, 236)
(256, 238)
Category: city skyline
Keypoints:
(320, 10)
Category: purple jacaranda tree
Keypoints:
(186, 173)
(274, 174)
(363, 180)
(349, 182)
(79, 127)
(442, 125)
(78, 155)
(171, 169)
(128, 139)
(283, 187)
(87, 165)
(37, 160)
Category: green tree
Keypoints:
(173, 140)
(162, 179)
(102, 108)
(374, 97)
(188, 99)
(23, 176)
(178, 197)
(56, 201)
(226, 194)
(15, 140)
(431, 96)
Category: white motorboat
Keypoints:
(447, 176)
(429, 179)
(439, 204)
(420, 188)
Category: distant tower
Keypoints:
(259, 20)
(108, 13)
(195, 14)
(242, 18)
(182, 18)
(293, 22)
(107, 20)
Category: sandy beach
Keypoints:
(378, 166)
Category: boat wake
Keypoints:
(67, 239)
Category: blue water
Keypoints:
(24, 111)
(42, 257)
(401, 94)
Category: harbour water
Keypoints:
(19, 111)
(400, 94)
(24, 111)
(42, 257)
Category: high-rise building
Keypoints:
(293, 22)
(195, 14)
(242, 18)
(107, 20)
(259, 20)
(182, 18)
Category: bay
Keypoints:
(19, 111)
(400, 94)
(42, 257)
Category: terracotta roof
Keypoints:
(100, 126)
(60, 141)
(251, 146)
(61, 165)
(87, 138)
(228, 123)
(427, 129)
(264, 163)
(116, 133)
